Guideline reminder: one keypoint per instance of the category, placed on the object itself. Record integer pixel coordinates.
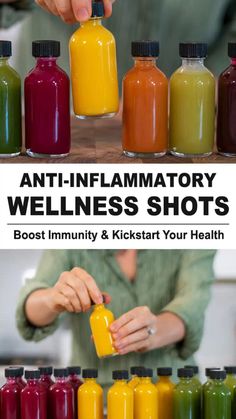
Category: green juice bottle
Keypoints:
(187, 396)
(217, 401)
(195, 375)
(230, 382)
(10, 105)
(192, 104)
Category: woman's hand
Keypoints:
(74, 292)
(139, 330)
(72, 11)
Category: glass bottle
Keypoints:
(61, 396)
(10, 395)
(226, 116)
(33, 397)
(120, 397)
(10, 102)
(90, 396)
(46, 376)
(94, 68)
(76, 382)
(165, 393)
(230, 382)
(192, 104)
(217, 402)
(47, 104)
(135, 380)
(145, 396)
(145, 104)
(187, 397)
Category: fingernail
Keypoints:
(82, 14)
(112, 328)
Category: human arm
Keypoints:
(181, 321)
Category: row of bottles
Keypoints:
(69, 397)
(146, 130)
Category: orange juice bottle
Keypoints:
(94, 68)
(145, 397)
(120, 397)
(135, 380)
(100, 321)
(145, 104)
(165, 393)
(90, 396)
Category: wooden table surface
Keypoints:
(99, 141)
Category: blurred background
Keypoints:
(170, 22)
(218, 346)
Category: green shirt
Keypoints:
(178, 281)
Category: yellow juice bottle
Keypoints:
(93, 68)
(192, 104)
(120, 397)
(100, 321)
(145, 397)
(135, 380)
(90, 396)
(165, 393)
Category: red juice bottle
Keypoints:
(226, 118)
(47, 104)
(61, 396)
(10, 395)
(76, 382)
(20, 379)
(46, 376)
(33, 397)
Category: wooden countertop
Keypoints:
(100, 142)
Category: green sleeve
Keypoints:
(52, 264)
(192, 296)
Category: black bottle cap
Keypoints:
(145, 49)
(185, 373)
(90, 373)
(46, 49)
(208, 370)
(217, 374)
(232, 49)
(164, 371)
(97, 9)
(145, 372)
(60, 372)
(74, 370)
(45, 370)
(21, 369)
(230, 370)
(12, 372)
(120, 375)
(193, 367)
(192, 50)
(134, 370)
(32, 374)
(5, 49)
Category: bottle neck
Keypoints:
(90, 380)
(121, 382)
(99, 307)
(46, 62)
(73, 377)
(146, 380)
(4, 61)
(185, 380)
(32, 382)
(11, 380)
(61, 380)
(93, 21)
(164, 378)
(145, 62)
(193, 63)
(217, 382)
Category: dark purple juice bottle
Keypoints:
(10, 395)
(61, 396)
(46, 376)
(47, 104)
(33, 397)
(226, 119)
(76, 382)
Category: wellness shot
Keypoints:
(123, 333)
(86, 81)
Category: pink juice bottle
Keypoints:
(47, 104)
(33, 397)
(46, 376)
(10, 395)
(61, 396)
(76, 382)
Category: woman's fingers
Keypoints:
(125, 318)
(82, 9)
(140, 335)
(65, 10)
(50, 4)
(62, 303)
(71, 295)
(108, 7)
(140, 346)
(90, 283)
